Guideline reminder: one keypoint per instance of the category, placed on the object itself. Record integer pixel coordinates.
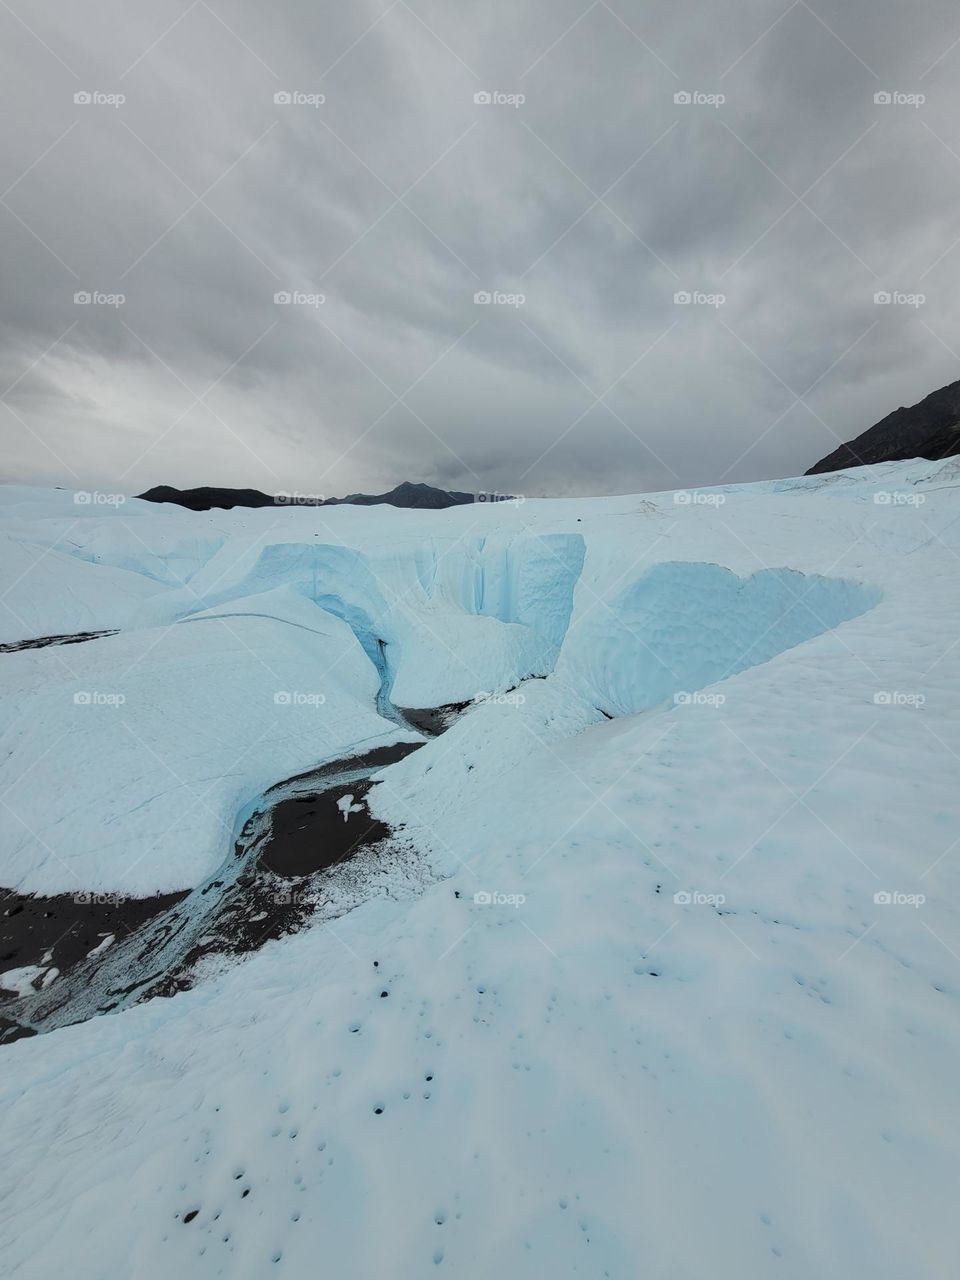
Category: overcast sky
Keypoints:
(587, 190)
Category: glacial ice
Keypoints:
(658, 1003)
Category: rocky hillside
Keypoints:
(930, 429)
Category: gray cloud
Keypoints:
(399, 198)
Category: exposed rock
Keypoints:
(930, 429)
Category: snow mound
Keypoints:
(44, 592)
(143, 747)
(682, 626)
(172, 557)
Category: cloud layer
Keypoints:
(628, 153)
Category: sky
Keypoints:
(524, 246)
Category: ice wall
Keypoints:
(682, 626)
(457, 615)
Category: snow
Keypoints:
(28, 978)
(21, 980)
(142, 748)
(681, 626)
(44, 592)
(346, 806)
(680, 994)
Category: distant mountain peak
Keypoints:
(206, 497)
(930, 429)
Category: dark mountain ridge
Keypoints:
(423, 497)
(930, 429)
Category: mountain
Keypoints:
(204, 498)
(422, 497)
(930, 429)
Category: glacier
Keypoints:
(660, 976)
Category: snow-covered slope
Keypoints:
(681, 997)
